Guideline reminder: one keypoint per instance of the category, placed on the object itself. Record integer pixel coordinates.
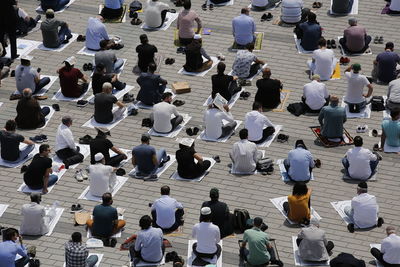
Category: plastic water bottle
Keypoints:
(53, 209)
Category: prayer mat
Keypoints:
(61, 47)
(203, 73)
(86, 51)
(191, 256)
(257, 45)
(92, 123)
(300, 262)
(229, 3)
(54, 220)
(83, 149)
(252, 77)
(40, 10)
(284, 97)
(48, 117)
(24, 47)
(281, 23)
(317, 131)
(177, 232)
(45, 89)
(175, 132)
(60, 97)
(269, 140)
(336, 73)
(378, 246)
(262, 152)
(300, 49)
(25, 189)
(120, 19)
(119, 234)
(8, 164)
(3, 208)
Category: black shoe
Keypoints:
(277, 262)
(38, 17)
(113, 242)
(56, 107)
(333, 44)
(264, 17)
(350, 227)
(12, 74)
(380, 222)
(66, 41)
(85, 67)
(189, 131)
(196, 130)
(269, 16)
(328, 44)
(204, 7)
(39, 70)
(90, 66)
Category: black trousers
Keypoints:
(178, 218)
(13, 41)
(70, 156)
(379, 256)
(207, 255)
(267, 132)
(254, 69)
(109, 13)
(115, 161)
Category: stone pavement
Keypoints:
(250, 192)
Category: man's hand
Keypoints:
(44, 190)
(125, 156)
(20, 239)
(226, 107)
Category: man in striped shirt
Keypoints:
(76, 253)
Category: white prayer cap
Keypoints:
(26, 58)
(98, 157)
(205, 211)
(197, 36)
(71, 60)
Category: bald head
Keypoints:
(27, 93)
(266, 73)
(107, 88)
(390, 230)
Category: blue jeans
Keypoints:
(372, 164)
(52, 180)
(64, 33)
(349, 212)
(42, 83)
(23, 153)
(92, 260)
(118, 64)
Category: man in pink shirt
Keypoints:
(355, 38)
(185, 23)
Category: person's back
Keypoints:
(194, 59)
(392, 132)
(107, 58)
(323, 63)
(144, 158)
(257, 241)
(33, 177)
(334, 118)
(185, 159)
(355, 38)
(103, 105)
(243, 28)
(152, 13)
(29, 115)
(98, 79)
(49, 29)
(346, 260)
(255, 122)
(341, 6)
(300, 161)
(291, 11)
(365, 210)
(359, 159)
(9, 145)
(387, 62)
(95, 32)
(355, 86)
(33, 222)
(219, 214)
(101, 145)
(394, 92)
(185, 21)
(165, 208)
(213, 122)
(299, 207)
(207, 235)
(146, 55)
(220, 84)
(100, 179)
(311, 35)
(150, 242)
(162, 116)
(315, 94)
(242, 63)
(390, 248)
(69, 78)
(268, 93)
(244, 156)
(103, 217)
(312, 245)
(25, 77)
(395, 6)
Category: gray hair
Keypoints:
(66, 119)
(107, 86)
(27, 93)
(352, 21)
(390, 230)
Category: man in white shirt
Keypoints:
(161, 116)
(155, 13)
(258, 125)
(102, 177)
(390, 248)
(167, 212)
(393, 95)
(363, 210)
(323, 61)
(214, 124)
(315, 95)
(34, 221)
(207, 236)
(66, 149)
(244, 155)
(355, 98)
(291, 11)
(360, 163)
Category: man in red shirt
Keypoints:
(69, 79)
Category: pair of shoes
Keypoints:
(344, 60)
(15, 97)
(168, 158)
(82, 103)
(376, 147)
(317, 5)
(169, 61)
(362, 128)
(87, 66)
(378, 40)
(217, 159)
(178, 103)
(180, 50)
(119, 45)
(318, 163)
(204, 6)
(56, 107)
(128, 98)
(266, 17)
(136, 21)
(192, 131)
(85, 140)
(80, 176)
(81, 38)
(350, 227)
(221, 57)
(282, 138)
(380, 222)
(331, 44)
(244, 82)
(39, 138)
(245, 95)
(77, 207)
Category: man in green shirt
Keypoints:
(260, 250)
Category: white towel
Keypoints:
(99, 256)
(200, 74)
(86, 51)
(284, 174)
(24, 47)
(3, 208)
(61, 47)
(258, 72)
(93, 124)
(365, 113)
(25, 189)
(48, 117)
(254, 172)
(378, 246)
(119, 234)
(44, 90)
(60, 97)
(175, 175)
(54, 220)
(203, 136)
(339, 207)
(171, 17)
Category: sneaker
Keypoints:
(127, 98)
(15, 97)
(44, 137)
(83, 174)
(36, 139)
(380, 222)
(78, 176)
(328, 44)
(56, 107)
(189, 131)
(350, 227)
(152, 177)
(318, 163)
(204, 7)
(217, 159)
(66, 41)
(221, 57)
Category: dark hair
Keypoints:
(322, 41)
(43, 148)
(152, 67)
(36, 197)
(166, 95)
(187, 4)
(205, 218)
(221, 67)
(107, 198)
(358, 141)
(165, 190)
(49, 16)
(68, 66)
(300, 143)
(256, 105)
(66, 119)
(312, 17)
(394, 113)
(76, 237)
(100, 67)
(143, 38)
(299, 189)
(389, 45)
(244, 10)
(257, 221)
(243, 134)
(250, 46)
(145, 222)
(11, 125)
(103, 43)
(9, 233)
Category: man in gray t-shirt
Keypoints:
(103, 106)
(108, 58)
(55, 32)
(27, 77)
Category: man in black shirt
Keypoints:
(10, 140)
(38, 174)
(103, 106)
(223, 84)
(220, 215)
(102, 145)
(269, 91)
(100, 77)
(8, 25)
(145, 52)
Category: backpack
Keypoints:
(297, 109)
(264, 165)
(240, 220)
(377, 103)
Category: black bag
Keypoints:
(146, 122)
(354, 108)
(297, 109)
(377, 103)
(240, 220)
(264, 164)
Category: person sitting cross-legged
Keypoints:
(393, 95)
(260, 252)
(312, 243)
(246, 64)
(161, 116)
(54, 32)
(29, 113)
(102, 145)
(147, 159)
(103, 106)
(355, 99)
(385, 64)
(309, 32)
(149, 246)
(389, 254)
(323, 61)
(363, 210)
(355, 38)
(299, 163)
(105, 222)
(70, 78)
(243, 29)
(100, 77)
(167, 213)
(360, 163)
(331, 118)
(223, 84)
(342, 6)
(35, 222)
(298, 206)
(108, 58)
(28, 77)
(145, 53)
(391, 130)
(185, 156)
(194, 56)
(25, 23)
(102, 177)
(152, 86)
(315, 95)
(259, 126)
(10, 248)
(155, 14)
(213, 121)
(244, 154)
(112, 9)
(268, 90)
(77, 254)
(10, 142)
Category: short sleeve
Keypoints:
(49, 163)
(153, 151)
(109, 144)
(79, 74)
(245, 236)
(114, 99)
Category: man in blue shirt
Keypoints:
(152, 86)
(386, 63)
(9, 249)
(95, 32)
(309, 32)
(299, 163)
(391, 131)
(331, 118)
(56, 5)
(243, 28)
(146, 158)
(112, 9)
